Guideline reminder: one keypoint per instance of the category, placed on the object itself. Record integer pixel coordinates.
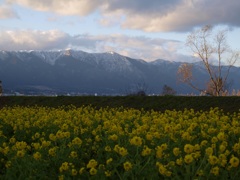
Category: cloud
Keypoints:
(33, 40)
(64, 7)
(7, 12)
(139, 47)
(150, 16)
(177, 15)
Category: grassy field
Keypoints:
(158, 103)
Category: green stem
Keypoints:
(145, 164)
(118, 175)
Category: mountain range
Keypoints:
(78, 72)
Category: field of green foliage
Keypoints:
(118, 143)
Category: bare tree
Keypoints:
(167, 90)
(138, 89)
(213, 51)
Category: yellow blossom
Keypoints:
(20, 153)
(108, 148)
(64, 167)
(93, 171)
(137, 141)
(234, 161)
(37, 155)
(74, 172)
(221, 136)
(127, 166)
(81, 171)
(73, 154)
(215, 171)
(176, 151)
(113, 137)
(212, 160)
(146, 151)
(188, 159)
(209, 151)
(122, 151)
(108, 173)
(188, 148)
(109, 160)
(92, 163)
(179, 161)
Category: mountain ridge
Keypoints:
(79, 72)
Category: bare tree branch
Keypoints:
(209, 47)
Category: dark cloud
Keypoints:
(150, 16)
(143, 6)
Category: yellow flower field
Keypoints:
(85, 143)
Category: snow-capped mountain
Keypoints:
(82, 72)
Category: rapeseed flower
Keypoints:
(127, 166)
(37, 155)
(136, 140)
(176, 151)
(212, 160)
(234, 161)
(20, 153)
(93, 171)
(109, 160)
(215, 171)
(92, 164)
(188, 159)
(64, 167)
(188, 148)
(74, 172)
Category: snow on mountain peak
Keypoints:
(111, 52)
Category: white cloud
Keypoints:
(136, 47)
(6, 12)
(151, 16)
(32, 40)
(64, 7)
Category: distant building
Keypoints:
(1, 90)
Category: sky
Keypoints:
(142, 29)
